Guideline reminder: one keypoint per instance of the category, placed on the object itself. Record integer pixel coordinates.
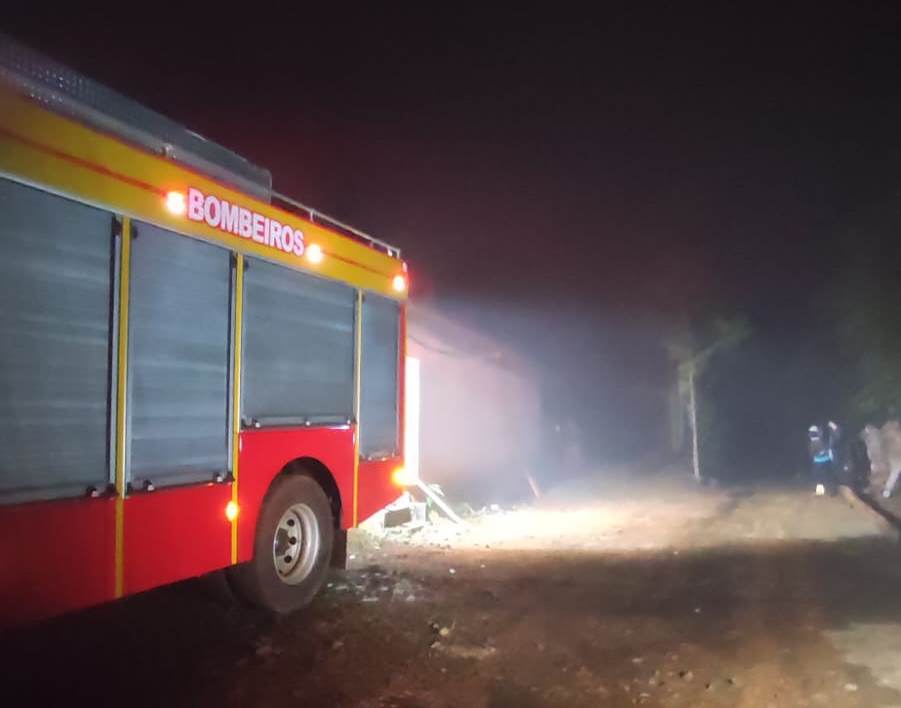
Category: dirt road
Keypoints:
(610, 593)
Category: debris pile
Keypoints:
(375, 584)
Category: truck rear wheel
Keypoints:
(292, 547)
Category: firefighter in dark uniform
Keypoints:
(821, 461)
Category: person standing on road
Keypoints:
(820, 460)
(840, 454)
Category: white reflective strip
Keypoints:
(411, 417)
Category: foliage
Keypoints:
(693, 347)
(866, 304)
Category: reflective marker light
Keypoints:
(399, 283)
(231, 511)
(176, 203)
(314, 253)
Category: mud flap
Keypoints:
(339, 550)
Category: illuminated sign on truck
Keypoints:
(240, 221)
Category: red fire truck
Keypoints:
(196, 373)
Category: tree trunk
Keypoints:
(693, 414)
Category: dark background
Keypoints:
(572, 183)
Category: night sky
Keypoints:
(578, 176)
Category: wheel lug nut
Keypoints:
(292, 540)
(287, 559)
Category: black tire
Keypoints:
(261, 581)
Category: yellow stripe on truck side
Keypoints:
(238, 326)
(358, 363)
(122, 399)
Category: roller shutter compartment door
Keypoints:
(378, 385)
(298, 348)
(178, 359)
(55, 314)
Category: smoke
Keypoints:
(510, 391)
